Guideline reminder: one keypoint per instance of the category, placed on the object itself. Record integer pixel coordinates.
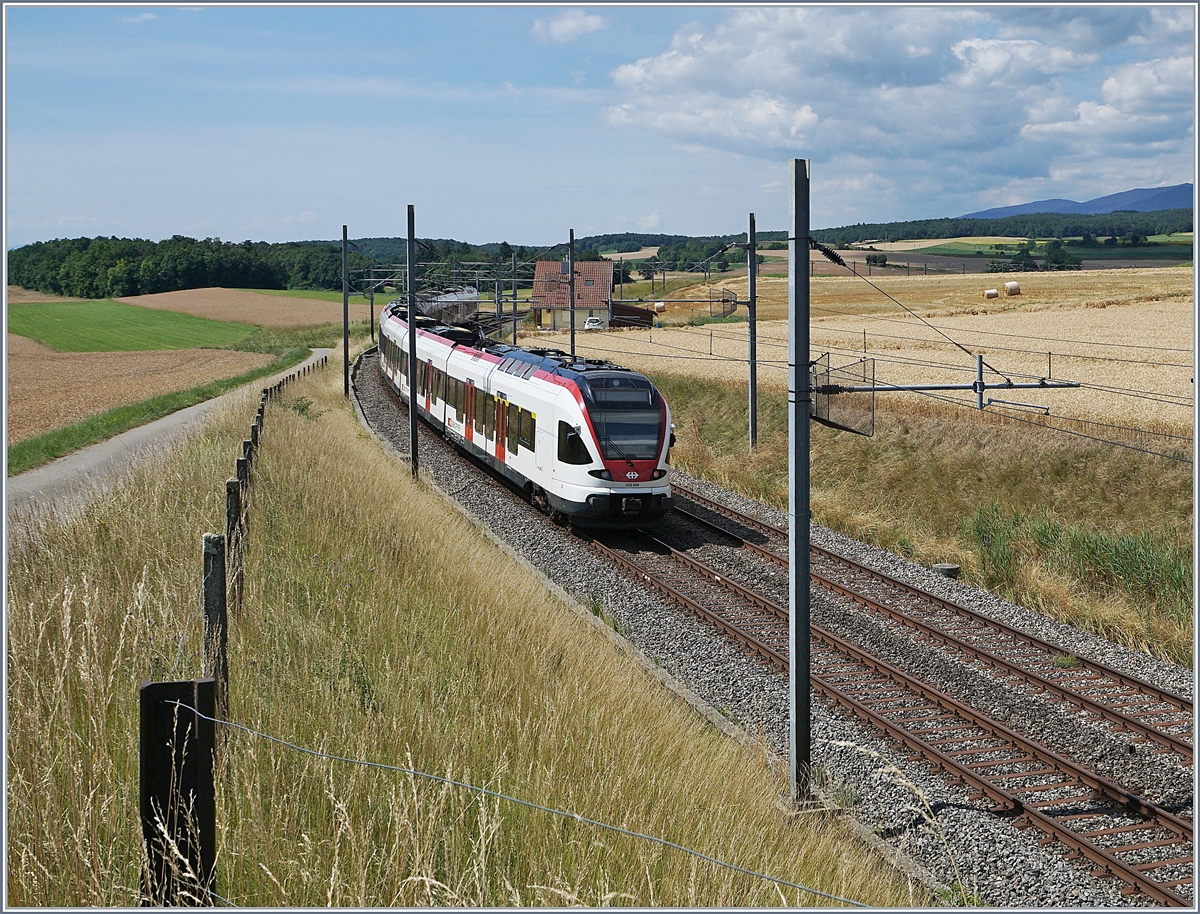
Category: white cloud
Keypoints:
(303, 219)
(1152, 86)
(996, 62)
(649, 221)
(140, 17)
(566, 26)
(918, 108)
(72, 222)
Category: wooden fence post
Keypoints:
(177, 797)
(216, 628)
(233, 541)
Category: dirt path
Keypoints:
(71, 481)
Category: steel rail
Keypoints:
(1005, 799)
(1168, 741)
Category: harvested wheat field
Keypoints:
(1112, 330)
(249, 307)
(49, 390)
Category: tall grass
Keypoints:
(1091, 534)
(378, 625)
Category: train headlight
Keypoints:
(659, 473)
(600, 474)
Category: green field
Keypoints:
(1164, 247)
(314, 294)
(109, 326)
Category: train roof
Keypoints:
(552, 361)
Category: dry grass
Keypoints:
(45, 390)
(1087, 533)
(379, 625)
(250, 307)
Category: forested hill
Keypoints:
(114, 267)
(1030, 225)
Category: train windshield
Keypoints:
(627, 415)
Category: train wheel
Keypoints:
(542, 503)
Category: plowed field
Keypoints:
(250, 307)
(49, 390)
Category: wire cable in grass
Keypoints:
(526, 803)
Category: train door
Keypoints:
(427, 383)
(469, 415)
(501, 425)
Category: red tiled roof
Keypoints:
(593, 284)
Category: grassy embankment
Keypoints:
(1094, 535)
(107, 326)
(378, 625)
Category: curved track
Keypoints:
(1123, 702)
(1123, 835)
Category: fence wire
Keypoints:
(485, 791)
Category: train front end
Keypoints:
(613, 463)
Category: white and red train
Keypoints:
(586, 440)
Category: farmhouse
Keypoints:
(551, 293)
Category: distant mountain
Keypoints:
(1140, 200)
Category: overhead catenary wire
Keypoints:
(836, 258)
(1025, 336)
(783, 365)
(485, 791)
(1037, 352)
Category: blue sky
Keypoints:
(518, 123)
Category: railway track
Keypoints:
(1120, 833)
(1112, 699)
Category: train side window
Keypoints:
(511, 432)
(479, 414)
(526, 429)
(571, 448)
(489, 416)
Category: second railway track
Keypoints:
(1123, 835)
(956, 841)
(1117, 700)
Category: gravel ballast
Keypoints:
(915, 811)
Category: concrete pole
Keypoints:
(799, 393)
(412, 342)
(571, 286)
(345, 314)
(979, 382)
(752, 308)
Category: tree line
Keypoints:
(1033, 225)
(115, 267)
(108, 267)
